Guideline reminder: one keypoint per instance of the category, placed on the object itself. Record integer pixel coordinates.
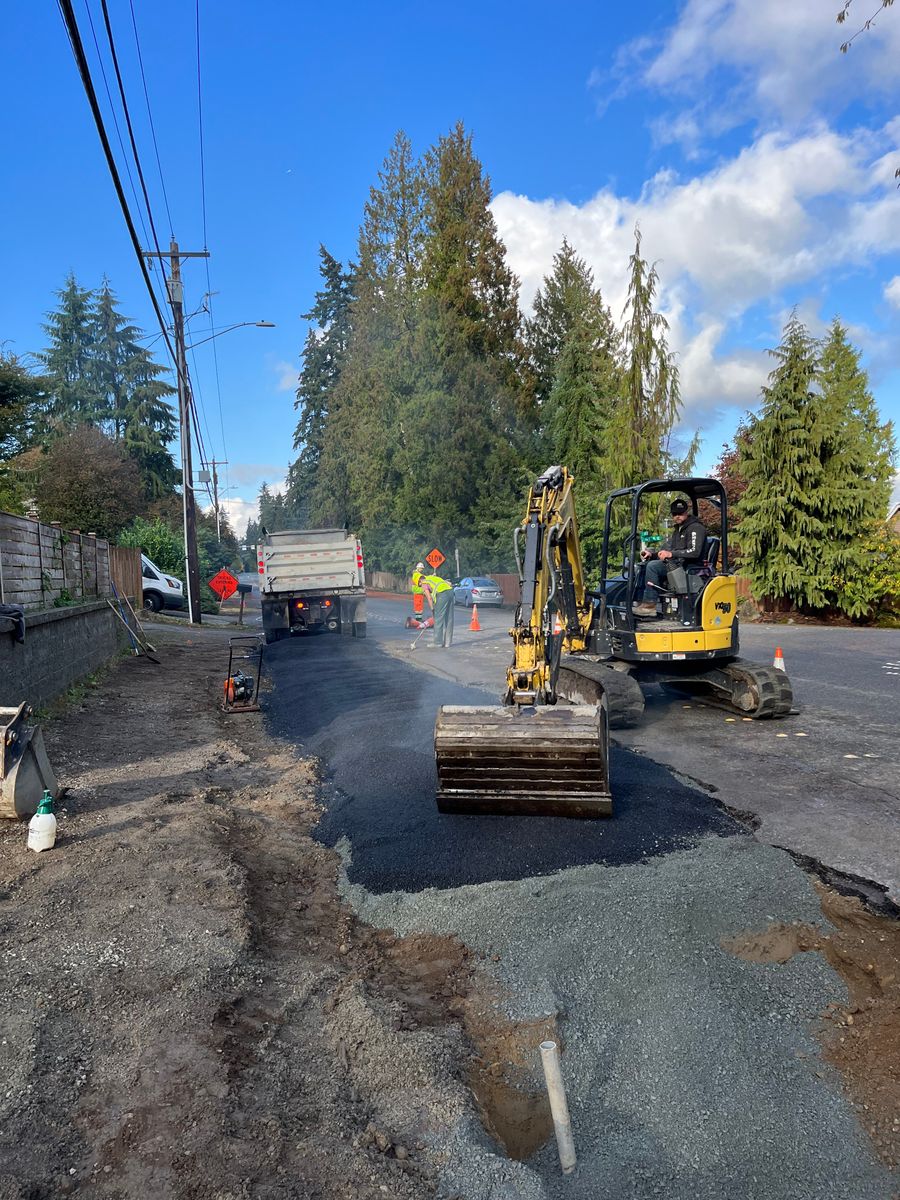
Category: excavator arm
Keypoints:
(554, 612)
(530, 755)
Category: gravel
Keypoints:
(691, 1073)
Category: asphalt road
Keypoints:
(370, 719)
(691, 1073)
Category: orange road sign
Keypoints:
(435, 558)
(224, 584)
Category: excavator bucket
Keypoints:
(544, 761)
(25, 771)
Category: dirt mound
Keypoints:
(861, 1038)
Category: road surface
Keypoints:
(692, 1074)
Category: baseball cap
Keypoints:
(678, 507)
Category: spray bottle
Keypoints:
(42, 826)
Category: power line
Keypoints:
(215, 350)
(67, 13)
(134, 149)
(162, 182)
(112, 109)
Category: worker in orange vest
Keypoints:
(417, 590)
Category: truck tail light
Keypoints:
(326, 604)
(301, 604)
(359, 558)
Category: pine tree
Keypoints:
(357, 474)
(792, 540)
(131, 395)
(863, 467)
(71, 330)
(566, 297)
(465, 260)
(323, 359)
(640, 433)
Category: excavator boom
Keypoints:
(530, 755)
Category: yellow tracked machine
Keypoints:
(529, 756)
(591, 650)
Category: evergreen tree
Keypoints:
(323, 359)
(566, 297)
(640, 433)
(815, 463)
(130, 395)
(864, 467)
(465, 260)
(71, 330)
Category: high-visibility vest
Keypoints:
(436, 584)
(417, 578)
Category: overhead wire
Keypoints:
(140, 57)
(112, 109)
(134, 150)
(67, 13)
(209, 300)
(76, 43)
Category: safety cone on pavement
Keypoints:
(778, 664)
(473, 624)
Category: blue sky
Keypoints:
(757, 159)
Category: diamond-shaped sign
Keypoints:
(223, 584)
(435, 558)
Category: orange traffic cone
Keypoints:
(778, 664)
(473, 624)
(557, 625)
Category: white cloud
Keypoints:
(239, 513)
(892, 291)
(254, 473)
(287, 374)
(783, 213)
(779, 57)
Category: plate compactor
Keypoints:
(25, 771)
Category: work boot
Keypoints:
(646, 608)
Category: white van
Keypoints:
(160, 590)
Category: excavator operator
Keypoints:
(683, 546)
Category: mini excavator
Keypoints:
(589, 649)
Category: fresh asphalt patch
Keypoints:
(692, 1073)
(369, 718)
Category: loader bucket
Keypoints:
(25, 770)
(543, 761)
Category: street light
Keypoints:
(229, 328)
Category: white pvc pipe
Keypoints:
(559, 1109)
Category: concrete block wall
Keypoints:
(62, 645)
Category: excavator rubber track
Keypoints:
(585, 681)
(547, 760)
(748, 688)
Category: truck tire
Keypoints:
(347, 628)
(275, 635)
(359, 629)
(153, 601)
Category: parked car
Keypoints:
(160, 590)
(478, 589)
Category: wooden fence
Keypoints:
(125, 572)
(40, 564)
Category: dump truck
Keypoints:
(311, 581)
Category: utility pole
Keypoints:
(220, 462)
(176, 300)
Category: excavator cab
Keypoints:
(689, 640)
(696, 602)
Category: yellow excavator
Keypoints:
(592, 651)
